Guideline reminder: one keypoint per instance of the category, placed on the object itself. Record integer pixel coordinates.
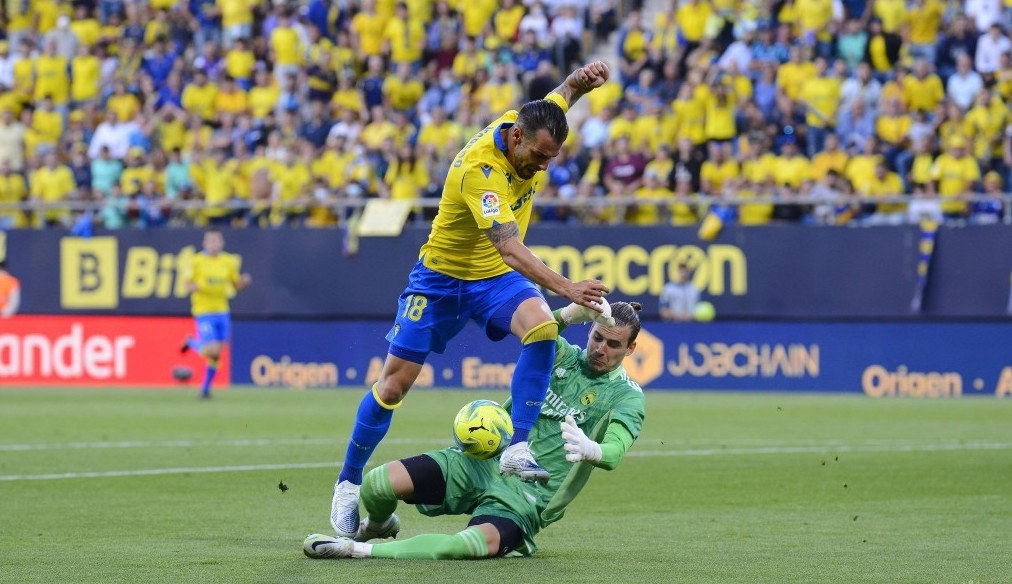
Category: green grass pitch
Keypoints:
(157, 486)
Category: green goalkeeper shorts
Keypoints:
(474, 487)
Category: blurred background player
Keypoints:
(679, 299)
(475, 266)
(10, 292)
(212, 278)
(506, 512)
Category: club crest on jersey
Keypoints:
(588, 398)
(490, 205)
(556, 408)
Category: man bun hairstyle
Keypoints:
(542, 114)
(627, 314)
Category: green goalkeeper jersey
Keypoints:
(575, 390)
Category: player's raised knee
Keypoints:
(211, 350)
(546, 331)
(389, 393)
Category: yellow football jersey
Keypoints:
(52, 79)
(954, 176)
(216, 278)
(481, 190)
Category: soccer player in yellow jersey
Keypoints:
(212, 278)
(475, 266)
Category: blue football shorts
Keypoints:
(213, 328)
(435, 307)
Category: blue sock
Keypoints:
(209, 371)
(371, 425)
(530, 383)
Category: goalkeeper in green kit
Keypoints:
(591, 415)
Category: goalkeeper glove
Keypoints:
(576, 314)
(578, 446)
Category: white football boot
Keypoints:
(368, 530)
(324, 547)
(344, 509)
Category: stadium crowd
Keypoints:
(275, 113)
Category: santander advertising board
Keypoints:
(96, 350)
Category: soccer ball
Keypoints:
(182, 373)
(704, 312)
(482, 429)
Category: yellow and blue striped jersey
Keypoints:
(481, 190)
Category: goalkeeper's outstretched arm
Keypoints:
(617, 441)
(577, 314)
(606, 455)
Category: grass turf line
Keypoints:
(833, 515)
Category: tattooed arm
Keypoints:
(583, 81)
(506, 239)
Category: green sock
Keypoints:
(378, 494)
(466, 545)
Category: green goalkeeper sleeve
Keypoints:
(616, 443)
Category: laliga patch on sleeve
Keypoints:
(490, 205)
